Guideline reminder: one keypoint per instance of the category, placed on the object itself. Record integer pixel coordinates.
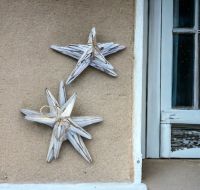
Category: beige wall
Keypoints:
(28, 66)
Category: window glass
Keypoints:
(183, 70)
(184, 13)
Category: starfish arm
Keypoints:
(72, 50)
(82, 64)
(30, 112)
(102, 64)
(78, 144)
(103, 67)
(76, 50)
(79, 130)
(57, 138)
(62, 94)
(68, 106)
(41, 119)
(92, 36)
(53, 104)
(110, 48)
(54, 149)
(83, 121)
(50, 154)
(101, 58)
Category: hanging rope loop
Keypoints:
(42, 110)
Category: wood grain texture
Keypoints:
(91, 54)
(64, 126)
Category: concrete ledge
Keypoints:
(80, 186)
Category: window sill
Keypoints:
(171, 174)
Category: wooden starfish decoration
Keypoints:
(64, 126)
(92, 54)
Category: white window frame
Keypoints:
(153, 78)
(160, 115)
(139, 74)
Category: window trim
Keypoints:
(160, 115)
(153, 88)
(170, 116)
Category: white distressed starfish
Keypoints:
(92, 54)
(64, 126)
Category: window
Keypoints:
(185, 67)
(178, 87)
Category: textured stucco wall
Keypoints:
(28, 66)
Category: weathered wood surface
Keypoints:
(93, 54)
(64, 126)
